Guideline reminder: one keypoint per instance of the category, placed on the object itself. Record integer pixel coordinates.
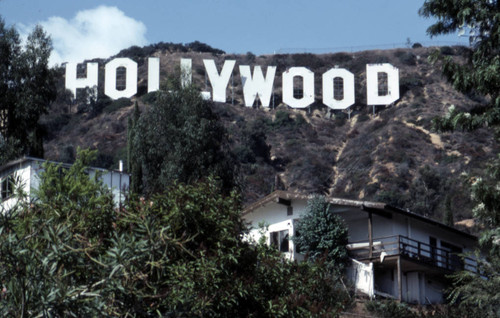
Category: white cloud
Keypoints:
(94, 33)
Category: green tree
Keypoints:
(178, 254)
(481, 73)
(181, 139)
(322, 234)
(50, 247)
(27, 87)
(478, 292)
(134, 166)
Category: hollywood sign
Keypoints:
(254, 84)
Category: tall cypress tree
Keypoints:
(134, 165)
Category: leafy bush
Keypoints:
(308, 60)
(408, 58)
(340, 118)
(283, 120)
(408, 83)
(117, 104)
(416, 45)
(341, 58)
(322, 234)
(250, 57)
(447, 50)
(197, 46)
(149, 98)
(180, 254)
(55, 123)
(390, 309)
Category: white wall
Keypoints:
(416, 286)
(361, 275)
(118, 183)
(29, 170)
(21, 172)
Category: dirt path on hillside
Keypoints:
(335, 172)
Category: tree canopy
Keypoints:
(476, 292)
(72, 253)
(27, 88)
(180, 138)
(481, 73)
(322, 234)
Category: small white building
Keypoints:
(395, 253)
(25, 171)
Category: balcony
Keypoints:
(411, 250)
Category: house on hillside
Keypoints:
(394, 253)
(25, 171)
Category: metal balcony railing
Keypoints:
(411, 249)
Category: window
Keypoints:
(279, 240)
(7, 187)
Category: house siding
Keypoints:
(388, 227)
(28, 170)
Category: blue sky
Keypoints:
(87, 29)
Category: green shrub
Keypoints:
(390, 309)
(308, 60)
(250, 57)
(283, 120)
(408, 83)
(446, 50)
(341, 58)
(408, 58)
(322, 235)
(149, 98)
(117, 104)
(179, 254)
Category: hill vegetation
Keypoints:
(392, 156)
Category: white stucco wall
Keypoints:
(275, 218)
(417, 286)
(21, 172)
(28, 172)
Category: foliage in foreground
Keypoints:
(476, 293)
(71, 253)
(392, 308)
(323, 234)
(27, 88)
(480, 75)
(472, 290)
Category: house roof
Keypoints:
(20, 161)
(369, 206)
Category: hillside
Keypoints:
(394, 156)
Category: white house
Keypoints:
(25, 171)
(395, 253)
